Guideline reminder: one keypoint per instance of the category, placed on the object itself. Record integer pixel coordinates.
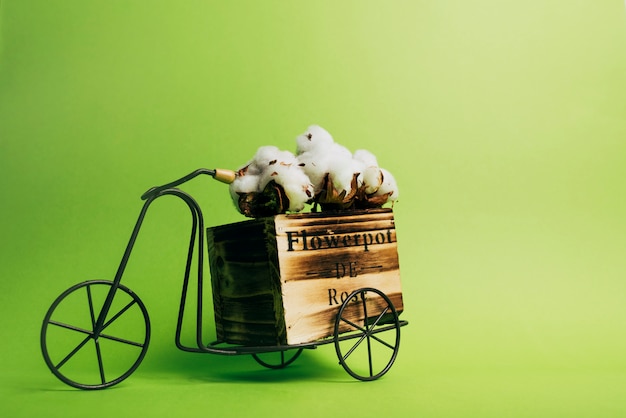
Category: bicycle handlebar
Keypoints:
(225, 176)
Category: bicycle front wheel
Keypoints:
(367, 334)
(86, 356)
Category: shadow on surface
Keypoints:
(311, 364)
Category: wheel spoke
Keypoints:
(369, 343)
(100, 365)
(74, 351)
(364, 303)
(385, 343)
(117, 315)
(367, 329)
(355, 326)
(371, 330)
(355, 346)
(379, 317)
(121, 340)
(369, 356)
(91, 311)
(71, 327)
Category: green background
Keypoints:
(504, 123)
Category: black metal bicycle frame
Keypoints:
(197, 229)
(197, 232)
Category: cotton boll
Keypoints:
(294, 182)
(388, 186)
(338, 151)
(267, 157)
(366, 157)
(315, 137)
(248, 183)
(315, 166)
(249, 178)
(370, 174)
(263, 157)
(342, 171)
(282, 167)
(371, 178)
(318, 154)
(286, 158)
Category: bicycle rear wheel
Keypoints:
(277, 360)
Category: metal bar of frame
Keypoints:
(149, 197)
(120, 270)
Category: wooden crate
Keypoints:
(281, 280)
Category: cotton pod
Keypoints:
(342, 172)
(314, 138)
(299, 192)
(270, 164)
(371, 177)
(315, 166)
(244, 183)
(265, 157)
(319, 156)
(388, 187)
(294, 182)
(366, 157)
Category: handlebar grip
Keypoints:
(225, 176)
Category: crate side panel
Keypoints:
(321, 263)
(246, 283)
(311, 306)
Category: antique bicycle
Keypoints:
(96, 333)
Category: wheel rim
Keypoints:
(277, 359)
(86, 356)
(367, 348)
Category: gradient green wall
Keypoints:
(503, 121)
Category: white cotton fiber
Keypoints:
(248, 183)
(315, 137)
(272, 164)
(302, 176)
(319, 155)
(371, 176)
(342, 172)
(295, 183)
(315, 164)
(372, 179)
(365, 157)
(388, 186)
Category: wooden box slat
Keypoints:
(281, 280)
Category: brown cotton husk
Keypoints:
(365, 201)
(271, 201)
(332, 199)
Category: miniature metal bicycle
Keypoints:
(96, 333)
